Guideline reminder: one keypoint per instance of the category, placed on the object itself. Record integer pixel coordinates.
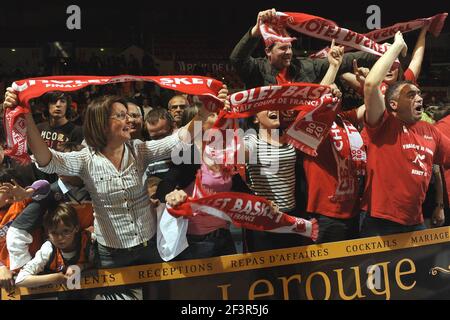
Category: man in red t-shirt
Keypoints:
(333, 175)
(401, 151)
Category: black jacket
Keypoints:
(257, 72)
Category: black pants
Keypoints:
(333, 229)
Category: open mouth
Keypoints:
(418, 108)
(273, 115)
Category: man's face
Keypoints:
(176, 108)
(159, 130)
(58, 109)
(409, 106)
(280, 55)
(136, 121)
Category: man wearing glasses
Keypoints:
(176, 108)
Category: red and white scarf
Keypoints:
(436, 23)
(246, 211)
(312, 125)
(317, 106)
(348, 151)
(318, 27)
(205, 88)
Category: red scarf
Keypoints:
(292, 96)
(246, 211)
(205, 88)
(315, 102)
(325, 29)
(436, 23)
(350, 155)
(312, 125)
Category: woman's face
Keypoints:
(268, 119)
(119, 129)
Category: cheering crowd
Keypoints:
(101, 182)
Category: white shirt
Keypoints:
(122, 213)
(40, 260)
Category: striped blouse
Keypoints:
(122, 211)
(271, 171)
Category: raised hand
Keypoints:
(360, 73)
(11, 98)
(263, 16)
(398, 40)
(16, 192)
(223, 95)
(335, 54)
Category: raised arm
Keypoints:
(37, 145)
(202, 116)
(419, 50)
(373, 98)
(335, 56)
(241, 57)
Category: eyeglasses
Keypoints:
(64, 233)
(120, 116)
(177, 106)
(134, 115)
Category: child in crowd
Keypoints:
(68, 245)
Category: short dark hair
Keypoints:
(392, 92)
(64, 213)
(53, 97)
(154, 115)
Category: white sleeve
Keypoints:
(37, 264)
(67, 163)
(156, 150)
(17, 243)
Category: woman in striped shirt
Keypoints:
(271, 172)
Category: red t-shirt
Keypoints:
(322, 178)
(408, 75)
(399, 167)
(286, 117)
(444, 126)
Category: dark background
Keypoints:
(132, 22)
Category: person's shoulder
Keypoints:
(43, 125)
(47, 247)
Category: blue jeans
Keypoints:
(380, 227)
